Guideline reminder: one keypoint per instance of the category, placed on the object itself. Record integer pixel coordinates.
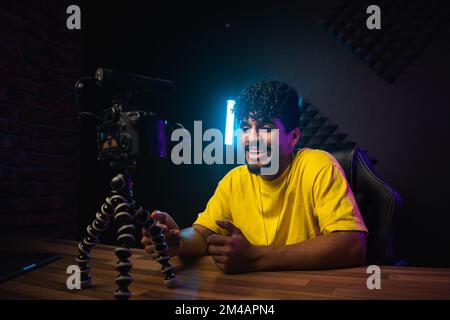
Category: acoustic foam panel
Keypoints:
(319, 132)
(407, 26)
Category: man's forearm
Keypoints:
(192, 243)
(335, 250)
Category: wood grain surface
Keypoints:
(200, 279)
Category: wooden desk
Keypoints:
(202, 280)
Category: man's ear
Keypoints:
(295, 136)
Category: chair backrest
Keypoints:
(378, 202)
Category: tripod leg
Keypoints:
(143, 218)
(123, 216)
(125, 239)
(94, 230)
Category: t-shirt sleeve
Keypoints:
(335, 205)
(217, 208)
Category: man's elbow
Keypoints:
(358, 248)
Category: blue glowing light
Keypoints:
(29, 267)
(229, 126)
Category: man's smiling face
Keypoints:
(259, 139)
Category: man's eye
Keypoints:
(245, 128)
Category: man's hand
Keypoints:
(171, 233)
(233, 253)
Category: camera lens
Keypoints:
(108, 116)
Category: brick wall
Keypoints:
(40, 61)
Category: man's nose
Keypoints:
(256, 138)
(251, 137)
(253, 134)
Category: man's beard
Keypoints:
(255, 168)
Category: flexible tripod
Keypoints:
(121, 206)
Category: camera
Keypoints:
(126, 132)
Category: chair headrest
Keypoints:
(346, 156)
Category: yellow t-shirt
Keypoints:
(310, 198)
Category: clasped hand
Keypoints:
(232, 253)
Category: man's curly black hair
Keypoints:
(267, 100)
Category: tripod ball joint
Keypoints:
(118, 183)
(142, 216)
(107, 208)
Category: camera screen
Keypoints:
(109, 139)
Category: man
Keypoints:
(302, 217)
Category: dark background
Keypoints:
(213, 51)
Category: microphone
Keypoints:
(117, 80)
